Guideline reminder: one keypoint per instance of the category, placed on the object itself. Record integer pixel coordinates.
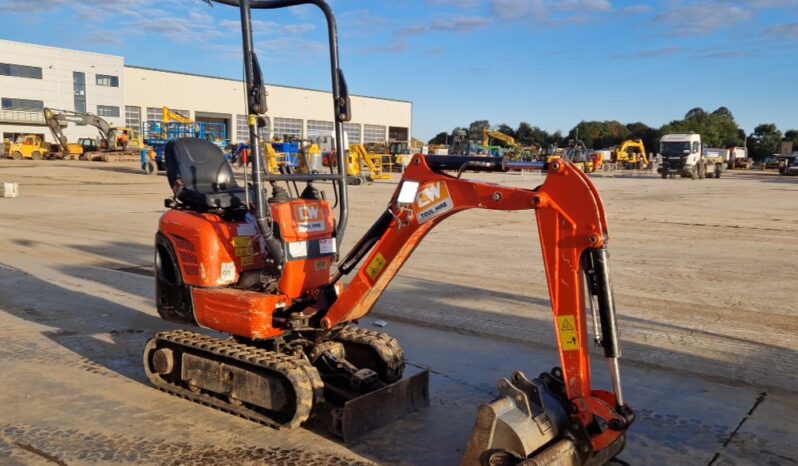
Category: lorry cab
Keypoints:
(680, 153)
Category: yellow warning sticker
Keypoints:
(242, 241)
(247, 251)
(566, 326)
(375, 267)
(247, 260)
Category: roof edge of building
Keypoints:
(149, 68)
(53, 47)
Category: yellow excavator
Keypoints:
(117, 143)
(631, 154)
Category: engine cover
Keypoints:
(307, 229)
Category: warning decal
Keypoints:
(432, 200)
(242, 241)
(566, 326)
(375, 266)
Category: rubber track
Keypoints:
(303, 377)
(386, 346)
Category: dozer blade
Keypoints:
(380, 407)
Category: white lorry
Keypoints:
(683, 154)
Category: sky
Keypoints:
(550, 63)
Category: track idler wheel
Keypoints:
(377, 351)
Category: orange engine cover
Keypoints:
(307, 228)
(214, 252)
(210, 250)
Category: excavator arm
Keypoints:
(487, 135)
(573, 235)
(169, 116)
(55, 129)
(55, 118)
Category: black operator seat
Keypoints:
(206, 177)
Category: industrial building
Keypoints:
(34, 76)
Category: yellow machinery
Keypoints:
(111, 147)
(273, 159)
(28, 146)
(576, 153)
(519, 152)
(170, 116)
(378, 167)
(631, 154)
(487, 135)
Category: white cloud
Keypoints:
(702, 18)
(560, 12)
(455, 24)
(459, 24)
(783, 31)
(465, 4)
(651, 53)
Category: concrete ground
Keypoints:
(702, 273)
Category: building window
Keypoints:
(242, 129)
(22, 105)
(352, 131)
(319, 128)
(107, 111)
(398, 133)
(287, 127)
(373, 133)
(20, 71)
(107, 80)
(263, 133)
(154, 121)
(133, 118)
(79, 88)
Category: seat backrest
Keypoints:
(199, 164)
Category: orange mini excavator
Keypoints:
(261, 263)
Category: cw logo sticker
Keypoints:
(432, 200)
(309, 218)
(307, 213)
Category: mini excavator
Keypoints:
(261, 263)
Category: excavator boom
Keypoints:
(55, 118)
(573, 235)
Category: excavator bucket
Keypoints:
(529, 425)
(373, 410)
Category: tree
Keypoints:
(723, 112)
(696, 112)
(792, 135)
(717, 129)
(440, 138)
(764, 141)
(600, 134)
(475, 129)
(648, 135)
(528, 135)
(554, 138)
